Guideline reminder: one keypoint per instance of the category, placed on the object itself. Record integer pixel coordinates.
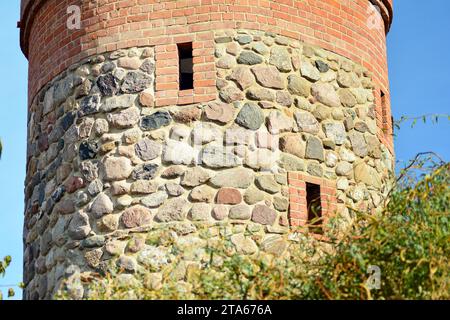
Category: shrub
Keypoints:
(408, 243)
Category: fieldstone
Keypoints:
(93, 242)
(314, 169)
(291, 163)
(124, 119)
(223, 39)
(331, 159)
(348, 100)
(342, 184)
(89, 105)
(155, 121)
(346, 155)
(244, 39)
(108, 85)
(114, 247)
(174, 189)
(309, 72)
(268, 77)
(124, 201)
(226, 62)
(73, 184)
(143, 187)
(127, 263)
(135, 82)
(277, 123)
(293, 144)
(268, 183)
(199, 212)
(359, 144)
(148, 66)
(228, 196)
(280, 204)
(101, 126)
(145, 172)
(219, 212)
(116, 168)
(173, 172)
(335, 131)
(146, 99)
(322, 66)
(260, 48)
(240, 178)
(274, 244)
(306, 122)
(349, 123)
(264, 215)
(188, 114)
(280, 58)
(221, 112)
(88, 150)
(322, 112)
(250, 117)
(249, 58)
(238, 136)
(298, 86)
(155, 200)
(242, 76)
(240, 212)
(79, 227)
(231, 94)
(373, 145)
(102, 205)
(216, 156)
(148, 149)
(195, 177)
(366, 174)
(118, 102)
(243, 244)
(344, 169)
(326, 94)
(260, 94)
(314, 149)
(284, 99)
(266, 140)
(129, 63)
(109, 223)
(178, 152)
(136, 216)
(347, 79)
(361, 127)
(203, 193)
(173, 210)
(153, 258)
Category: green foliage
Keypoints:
(3, 266)
(408, 242)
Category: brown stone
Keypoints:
(188, 115)
(229, 196)
(220, 112)
(264, 215)
(73, 184)
(268, 77)
(136, 216)
(146, 99)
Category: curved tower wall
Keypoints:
(286, 95)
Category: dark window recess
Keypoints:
(384, 111)
(314, 208)
(186, 66)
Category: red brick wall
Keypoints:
(298, 211)
(337, 25)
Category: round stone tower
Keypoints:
(153, 119)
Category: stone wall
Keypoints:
(107, 169)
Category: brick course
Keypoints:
(108, 25)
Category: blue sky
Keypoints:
(419, 70)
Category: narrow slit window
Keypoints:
(384, 111)
(186, 66)
(314, 206)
